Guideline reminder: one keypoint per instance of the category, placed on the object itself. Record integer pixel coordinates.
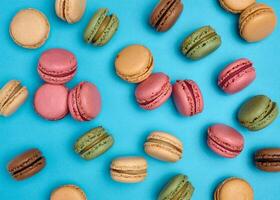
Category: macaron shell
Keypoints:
(74, 10)
(72, 105)
(236, 6)
(68, 192)
(268, 159)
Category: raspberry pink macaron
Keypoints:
(50, 101)
(57, 66)
(154, 91)
(187, 97)
(237, 76)
(84, 101)
(225, 140)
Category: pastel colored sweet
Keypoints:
(68, 192)
(268, 159)
(94, 143)
(236, 6)
(201, 43)
(166, 14)
(258, 112)
(257, 22)
(12, 96)
(237, 76)
(30, 28)
(154, 91)
(50, 101)
(233, 189)
(84, 101)
(70, 11)
(134, 63)
(129, 169)
(187, 97)
(164, 146)
(101, 28)
(27, 164)
(225, 140)
(179, 187)
(57, 66)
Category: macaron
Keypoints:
(164, 146)
(129, 169)
(101, 27)
(154, 91)
(225, 140)
(201, 43)
(84, 101)
(57, 66)
(237, 76)
(236, 6)
(68, 192)
(134, 63)
(70, 11)
(12, 96)
(257, 113)
(50, 101)
(257, 22)
(179, 187)
(27, 164)
(30, 28)
(94, 143)
(233, 189)
(268, 159)
(165, 14)
(187, 97)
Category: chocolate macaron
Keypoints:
(268, 159)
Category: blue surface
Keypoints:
(120, 114)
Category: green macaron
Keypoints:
(101, 27)
(179, 187)
(201, 43)
(94, 143)
(257, 113)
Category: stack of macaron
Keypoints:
(53, 100)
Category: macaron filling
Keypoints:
(163, 13)
(28, 165)
(165, 143)
(130, 172)
(94, 143)
(101, 28)
(10, 96)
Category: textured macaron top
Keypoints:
(70, 10)
(129, 163)
(236, 6)
(68, 192)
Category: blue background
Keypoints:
(120, 114)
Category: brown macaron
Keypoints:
(166, 14)
(268, 159)
(27, 164)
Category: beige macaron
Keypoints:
(164, 146)
(12, 96)
(129, 169)
(257, 22)
(236, 6)
(233, 189)
(68, 192)
(30, 28)
(134, 63)
(70, 11)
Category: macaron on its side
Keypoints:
(68, 192)
(268, 159)
(237, 76)
(236, 6)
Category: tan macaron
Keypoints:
(68, 192)
(236, 6)
(30, 28)
(233, 189)
(134, 63)
(70, 11)
(129, 169)
(164, 146)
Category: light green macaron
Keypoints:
(101, 27)
(94, 143)
(257, 113)
(201, 43)
(179, 187)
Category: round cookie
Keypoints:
(68, 192)
(236, 6)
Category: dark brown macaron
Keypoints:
(27, 164)
(165, 14)
(268, 159)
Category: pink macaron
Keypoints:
(225, 140)
(154, 91)
(50, 101)
(236, 76)
(57, 66)
(84, 101)
(187, 97)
